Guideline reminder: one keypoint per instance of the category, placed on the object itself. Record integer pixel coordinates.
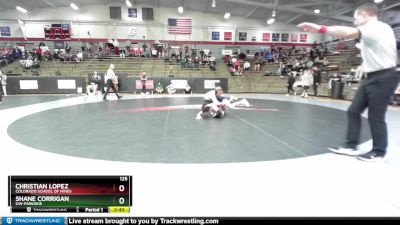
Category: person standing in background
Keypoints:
(3, 83)
(1, 90)
(291, 81)
(316, 80)
(96, 79)
(379, 54)
(110, 80)
(116, 46)
(307, 80)
(143, 78)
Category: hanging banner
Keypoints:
(5, 31)
(294, 37)
(285, 38)
(242, 36)
(266, 36)
(132, 12)
(227, 36)
(303, 37)
(215, 36)
(275, 36)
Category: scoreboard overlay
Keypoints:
(75, 194)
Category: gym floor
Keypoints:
(267, 160)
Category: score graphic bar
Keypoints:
(88, 194)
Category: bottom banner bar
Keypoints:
(141, 220)
(160, 220)
(77, 209)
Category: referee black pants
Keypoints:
(110, 84)
(374, 94)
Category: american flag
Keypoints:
(179, 26)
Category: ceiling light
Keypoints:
(227, 15)
(128, 3)
(271, 21)
(74, 6)
(213, 4)
(19, 8)
(273, 13)
(317, 11)
(180, 9)
(378, 1)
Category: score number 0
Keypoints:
(121, 188)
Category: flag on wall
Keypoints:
(179, 26)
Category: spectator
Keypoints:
(116, 46)
(3, 82)
(159, 88)
(291, 80)
(96, 79)
(144, 46)
(246, 66)
(122, 53)
(257, 65)
(281, 69)
(307, 81)
(79, 57)
(1, 90)
(67, 49)
(270, 57)
(238, 67)
(316, 80)
(143, 78)
(38, 52)
(188, 89)
(232, 71)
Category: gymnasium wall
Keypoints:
(93, 23)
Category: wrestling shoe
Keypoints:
(233, 98)
(246, 103)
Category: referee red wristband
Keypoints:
(323, 29)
